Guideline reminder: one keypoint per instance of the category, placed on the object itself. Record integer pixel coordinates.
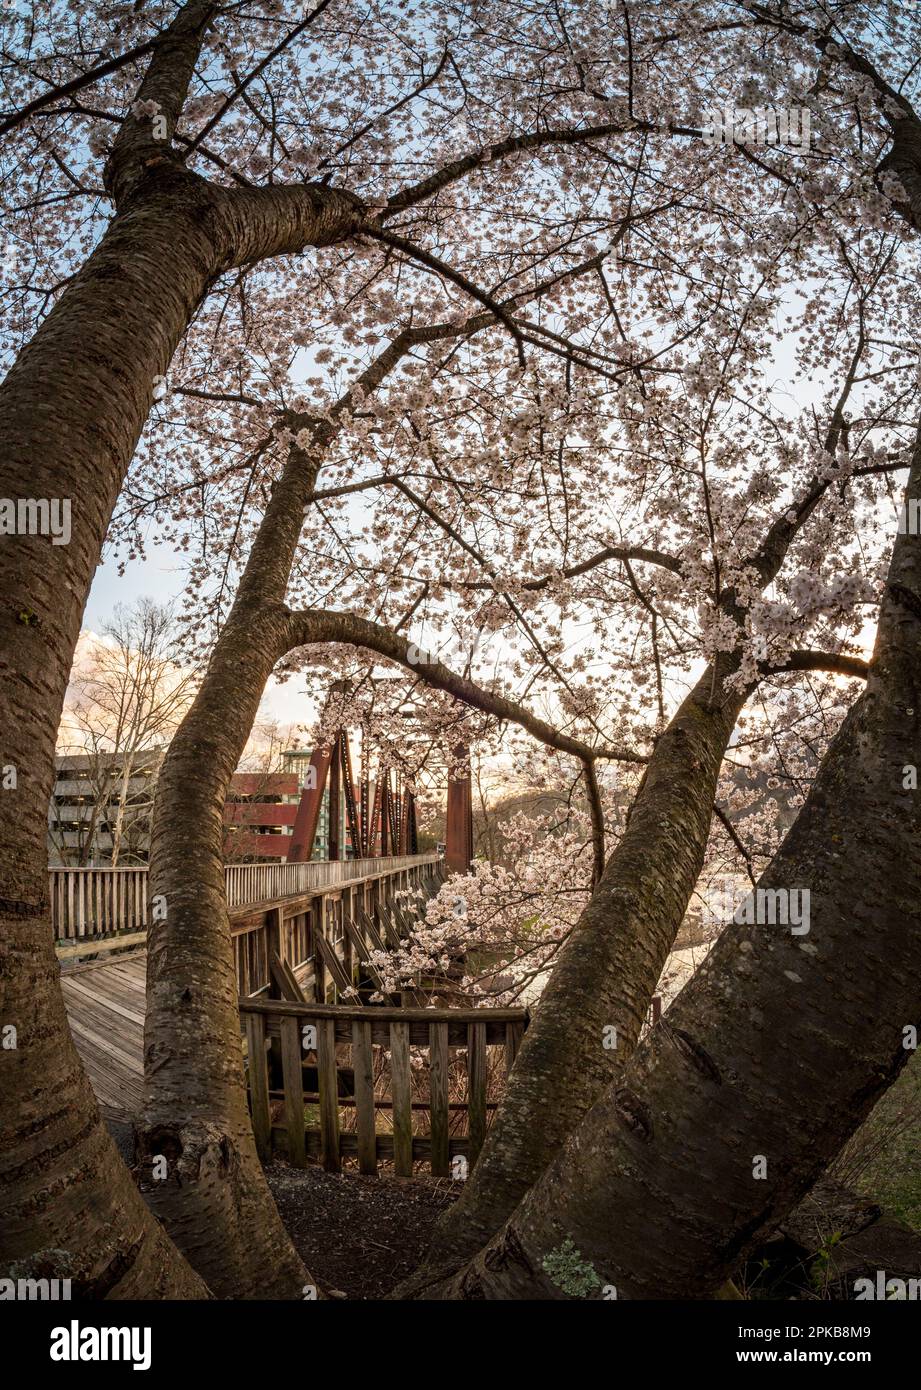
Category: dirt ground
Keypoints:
(358, 1236)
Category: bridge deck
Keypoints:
(106, 1006)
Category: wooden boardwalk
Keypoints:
(302, 932)
(105, 1006)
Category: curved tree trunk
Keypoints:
(214, 1199)
(774, 1052)
(605, 974)
(71, 411)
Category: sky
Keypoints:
(161, 577)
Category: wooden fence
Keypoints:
(321, 1077)
(108, 902)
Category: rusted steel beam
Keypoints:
(348, 786)
(300, 845)
(459, 827)
(334, 851)
(384, 778)
(412, 832)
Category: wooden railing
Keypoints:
(249, 883)
(97, 902)
(108, 902)
(322, 1077)
(313, 932)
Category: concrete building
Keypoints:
(100, 808)
(259, 815)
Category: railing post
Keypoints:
(401, 1097)
(348, 957)
(293, 1082)
(258, 1083)
(438, 1099)
(328, 1083)
(273, 943)
(319, 969)
(364, 1098)
(476, 1090)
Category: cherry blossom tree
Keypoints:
(745, 556)
(230, 237)
(166, 155)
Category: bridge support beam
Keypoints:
(459, 827)
(308, 811)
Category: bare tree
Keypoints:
(126, 698)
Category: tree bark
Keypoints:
(71, 410)
(214, 1200)
(774, 1052)
(904, 158)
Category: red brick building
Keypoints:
(259, 814)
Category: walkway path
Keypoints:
(106, 1006)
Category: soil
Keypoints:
(358, 1236)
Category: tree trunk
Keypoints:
(214, 1200)
(605, 974)
(71, 411)
(774, 1052)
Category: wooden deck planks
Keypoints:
(105, 1008)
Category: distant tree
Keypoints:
(126, 697)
